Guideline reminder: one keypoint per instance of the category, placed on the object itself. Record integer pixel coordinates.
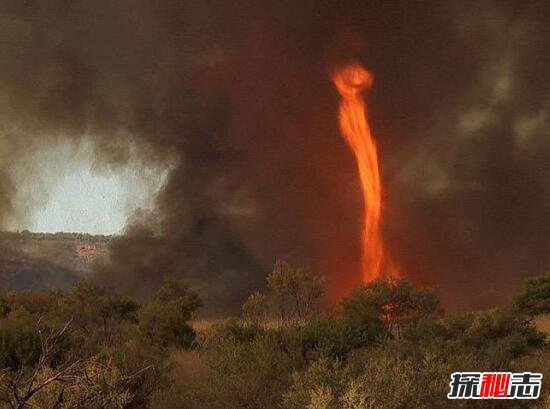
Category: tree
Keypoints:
(256, 307)
(387, 306)
(294, 291)
(164, 320)
(293, 295)
(96, 312)
(501, 335)
(534, 299)
(18, 386)
(94, 382)
(174, 290)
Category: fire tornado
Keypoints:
(351, 81)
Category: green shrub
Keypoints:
(534, 298)
(386, 308)
(235, 331)
(322, 336)
(164, 325)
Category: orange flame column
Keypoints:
(351, 81)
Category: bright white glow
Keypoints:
(84, 202)
(70, 192)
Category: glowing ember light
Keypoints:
(350, 81)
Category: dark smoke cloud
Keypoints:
(237, 95)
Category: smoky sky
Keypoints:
(236, 97)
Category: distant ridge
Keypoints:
(34, 260)
(26, 234)
(19, 271)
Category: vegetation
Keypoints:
(87, 347)
(535, 296)
(389, 346)
(294, 295)
(27, 235)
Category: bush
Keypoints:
(293, 295)
(534, 298)
(98, 314)
(133, 357)
(385, 308)
(256, 308)
(19, 341)
(294, 292)
(164, 321)
(323, 336)
(164, 325)
(501, 336)
(96, 384)
(35, 301)
(388, 347)
(234, 331)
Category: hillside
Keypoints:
(44, 259)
